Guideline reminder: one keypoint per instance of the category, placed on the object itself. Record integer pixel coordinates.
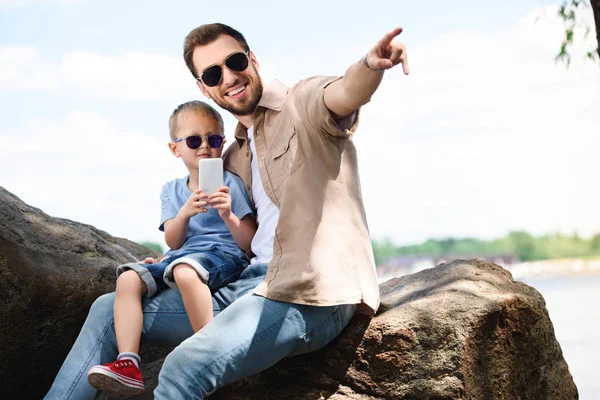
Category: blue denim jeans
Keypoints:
(248, 334)
(215, 267)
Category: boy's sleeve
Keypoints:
(167, 207)
(240, 202)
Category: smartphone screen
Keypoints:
(210, 174)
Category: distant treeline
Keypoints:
(525, 246)
(154, 246)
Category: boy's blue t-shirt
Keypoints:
(205, 230)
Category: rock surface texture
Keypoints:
(51, 270)
(461, 330)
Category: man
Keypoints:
(312, 264)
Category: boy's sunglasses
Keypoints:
(195, 141)
(212, 76)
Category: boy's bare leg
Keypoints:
(128, 311)
(196, 295)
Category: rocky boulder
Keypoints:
(461, 330)
(51, 270)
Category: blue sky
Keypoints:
(485, 136)
(112, 28)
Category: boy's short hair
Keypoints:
(196, 106)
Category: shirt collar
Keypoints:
(273, 97)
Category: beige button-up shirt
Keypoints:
(322, 253)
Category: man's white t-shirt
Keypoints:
(268, 213)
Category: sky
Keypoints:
(486, 135)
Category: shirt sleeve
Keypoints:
(240, 202)
(308, 95)
(167, 206)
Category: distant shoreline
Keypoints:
(556, 267)
(538, 269)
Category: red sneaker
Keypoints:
(121, 376)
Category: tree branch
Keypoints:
(596, 9)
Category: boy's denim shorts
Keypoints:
(214, 267)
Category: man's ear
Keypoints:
(203, 89)
(174, 150)
(254, 60)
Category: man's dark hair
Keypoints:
(206, 34)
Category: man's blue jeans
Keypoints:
(248, 334)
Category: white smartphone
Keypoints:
(210, 175)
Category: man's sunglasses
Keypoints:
(195, 141)
(212, 75)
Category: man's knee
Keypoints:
(174, 360)
(176, 366)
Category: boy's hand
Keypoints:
(221, 200)
(195, 204)
(150, 260)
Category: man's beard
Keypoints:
(249, 108)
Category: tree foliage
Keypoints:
(568, 12)
(522, 244)
(153, 246)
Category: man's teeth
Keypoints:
(236, 91)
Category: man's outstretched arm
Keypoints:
(362, 78)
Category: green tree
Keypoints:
(568, 12)
(523, 245)
(382, 250)
(595, 243)
(153, 246)
(447, 245)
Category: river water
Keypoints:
(573, 303)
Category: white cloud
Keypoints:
(88, 170)
(132, 76)
(486, 135)
(23, 68)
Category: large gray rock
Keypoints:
(51, 270)
(462, 330)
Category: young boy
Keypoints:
(204, 245)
